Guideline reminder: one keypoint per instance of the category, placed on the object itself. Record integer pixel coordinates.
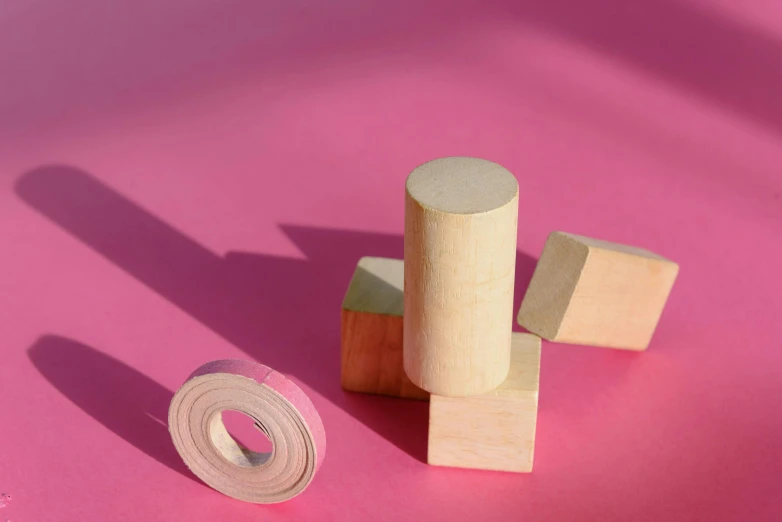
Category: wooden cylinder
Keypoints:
(461, 217)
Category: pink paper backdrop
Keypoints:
(184, 181)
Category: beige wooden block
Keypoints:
(460, 255)
(588, 291)
(495, 430)
(372, 331)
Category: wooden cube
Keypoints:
(588, 291)
(495, 430)
(372, 331)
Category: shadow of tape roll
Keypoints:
(279, 408)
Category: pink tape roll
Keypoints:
(279, 408)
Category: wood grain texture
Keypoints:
(593, 292)
(460, 251)
(496, 430)
(372, 331)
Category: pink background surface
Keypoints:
(185, 181)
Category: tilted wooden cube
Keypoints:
(372, 331)
(588, 291)
(496, 430)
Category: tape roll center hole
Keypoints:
(241, 439)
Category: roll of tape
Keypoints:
(279, 408)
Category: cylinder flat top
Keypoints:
(462, 185)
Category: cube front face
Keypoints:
(618, 300)
(372, 356)
(494, 431)
(592, 292)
